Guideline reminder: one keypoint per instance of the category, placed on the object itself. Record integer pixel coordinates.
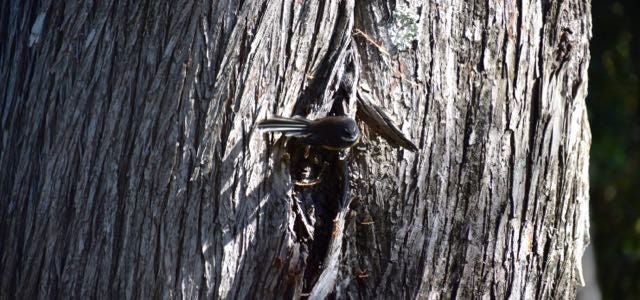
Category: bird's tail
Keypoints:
(296, 126)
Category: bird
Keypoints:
(332, 133)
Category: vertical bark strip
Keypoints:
(131, 167)
(496, 203)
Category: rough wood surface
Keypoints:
(131, 167)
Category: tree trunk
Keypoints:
(132, 168)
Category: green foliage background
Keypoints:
(614, 113)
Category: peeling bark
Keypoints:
(131, 167)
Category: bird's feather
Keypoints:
(287, 125)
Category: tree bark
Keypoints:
(131, 166)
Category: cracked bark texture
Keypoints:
(131, 167)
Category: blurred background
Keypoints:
(614, 114)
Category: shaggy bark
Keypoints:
(131, 166)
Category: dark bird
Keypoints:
(333, 133)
